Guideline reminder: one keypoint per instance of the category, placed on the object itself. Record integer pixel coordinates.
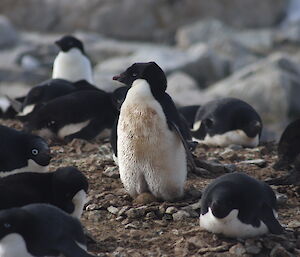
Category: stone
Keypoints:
(111, 172)
(258, 162)
(294, 224)
(279, 251)
(237, 250)
(270, 86)
(171, 210)
(180, 215)
(183, 89)
(281, 198)
(113, 210)
(135, 213)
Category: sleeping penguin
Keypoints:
(150, 138)
(227, 121)
(40, 230)
(237, 205)
(20, 152)
(83, 114)
(71, 63)
(66, 188)
(49, 90)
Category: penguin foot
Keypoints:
(293, 178)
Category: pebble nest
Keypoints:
(119, 227)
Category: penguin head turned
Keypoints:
(38, 150)
(66, 183)
(148, 71)
(68, 42)
(14, 220)
(223, 201)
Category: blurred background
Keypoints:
(209, 49)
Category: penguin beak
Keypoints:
(117, 77)
(44, 158)
(57, 42)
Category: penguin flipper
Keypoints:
(267, 216)
(69, 248)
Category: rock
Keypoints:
(171, 210)
(279, 251)
(8, 35)
(253, 249)
(192, 213)
(135, 213)
(258, 162)
(196, 206)
(111, 172)
(234, 147)
(294, 224)
(270, 86)
(183, 89)
(113, 210)
(144, 198)
(180, 215)
(119, 18)
(205, 31)
(237, 250)
(281, 198)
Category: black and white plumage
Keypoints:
(238, 205)
(49, 90)
(227, 121)
(83, 114)
(189, 113)
(21, 152)
(151, 154)
(71, 63)
(65, 188)
(40, 230)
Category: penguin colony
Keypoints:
(151, 140)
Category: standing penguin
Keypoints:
(71, 63)
(227, 121)
(20, 151)
(40, 230)
(237, 205)
(151, 153)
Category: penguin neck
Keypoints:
(140, 91)
(73, 53)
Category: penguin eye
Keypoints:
(134, 74)
(34, 151)
(6, 225)
(50, 123)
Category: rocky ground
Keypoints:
(121, 227)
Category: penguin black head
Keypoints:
(38, 150)
(66, 183)
(68, 42)
(13, 221)
(223, 202)
(148, 71)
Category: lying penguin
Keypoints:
(66, 188)
(40, 230)
(227, 121)
(20, 152)
(237, 205)
(189, 113)
(150, 138)
(83, 114)
(71, 63)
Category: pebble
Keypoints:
(281, 198)
(196, 206)
(123, 210)
(279, 251)
(235, 147)
(191, 212)
(258, 162)
(294, 224)
(253, 249)
(111, 172)
(237, 250)
(180, 215)
(135, 213)
(91, 207)
(171, 210)
(113, 210)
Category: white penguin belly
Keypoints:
(230, 226)
(31, 166)
(13, 245)
(151, 157)
(236, 137)
(72, 66)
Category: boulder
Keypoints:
(271, 85)
(8, 34)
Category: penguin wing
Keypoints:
(267, 216)
(69, 248)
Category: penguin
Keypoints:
(227, 121)
(8, 108)
(40, 230)
(150, 138)
(83, 114)
(237, 205)
(21, 152)
(189, 113)
(49, 90)
(66, 188)
(71, 63)
(289, 146)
